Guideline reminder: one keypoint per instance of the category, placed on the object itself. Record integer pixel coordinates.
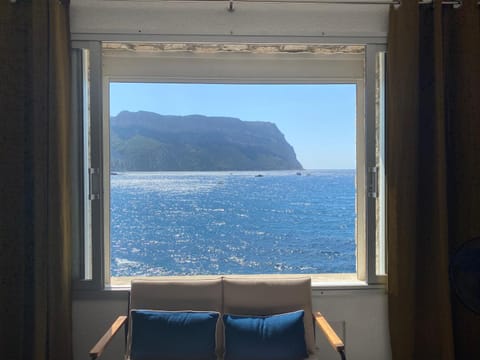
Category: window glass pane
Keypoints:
(380, 160)
(232, 179)
(81, 222)
(88, 262)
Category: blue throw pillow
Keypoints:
(275, 337)
(172, 335)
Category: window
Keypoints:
(233, 159)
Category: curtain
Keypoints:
(35, 313)
(433, 175)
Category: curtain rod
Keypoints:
(396, 3)
(454, 3)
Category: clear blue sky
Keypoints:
(317, 120)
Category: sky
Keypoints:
(318, 120)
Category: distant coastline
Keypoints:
(146, 141)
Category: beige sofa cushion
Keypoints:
(261, 296)
(179, 295)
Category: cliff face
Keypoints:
(145, 141)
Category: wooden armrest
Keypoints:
(331, 335)
(100, 346)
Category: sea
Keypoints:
(204, 223)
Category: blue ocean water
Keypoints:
(168, 223)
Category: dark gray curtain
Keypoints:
(433, 135)
(35, 276)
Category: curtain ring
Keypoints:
(458, 4)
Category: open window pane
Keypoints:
(381, 251)
(82, 265)
(232, 179)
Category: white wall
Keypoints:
(358, 316)
(91, 319)
(360, 319)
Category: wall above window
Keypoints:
(112, 20)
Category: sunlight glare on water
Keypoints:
(166, 223)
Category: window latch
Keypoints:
(93, 180)
(373, 182)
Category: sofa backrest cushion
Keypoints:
(261, 296)
(272, 337)
(173, 335)
(179, 295)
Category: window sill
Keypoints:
(322, 284)
(339, 281)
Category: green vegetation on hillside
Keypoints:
(145, 141)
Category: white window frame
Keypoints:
(125, 69)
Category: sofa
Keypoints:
(231, 318)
